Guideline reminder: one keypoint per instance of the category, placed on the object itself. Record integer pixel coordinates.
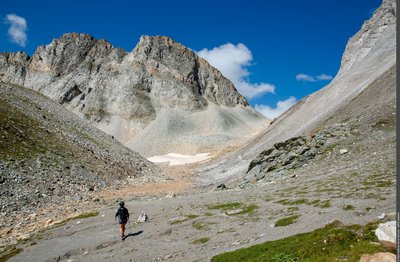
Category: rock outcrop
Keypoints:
(161, 86)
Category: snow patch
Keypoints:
(177, 159)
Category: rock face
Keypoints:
(368, 61)
(161, 85)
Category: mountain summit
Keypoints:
(161, 92)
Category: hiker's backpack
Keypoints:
(122, 215)
(143, 218)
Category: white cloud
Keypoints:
(17, 30)
(308, 78)
(324, 77)
(281, 107)
(305, 78)
(233, 61)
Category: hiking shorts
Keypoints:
(122, 222)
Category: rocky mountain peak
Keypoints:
(376, 33)
(122, 93)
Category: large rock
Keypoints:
(386, 234)
(379, 257)
(160, 86)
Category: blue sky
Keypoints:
(260, 45)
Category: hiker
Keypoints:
(123, 217)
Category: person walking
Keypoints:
(123, 218)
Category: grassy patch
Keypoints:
(9, 252)
(200, 225)
(81, 216)
(325, 204)
(283, 257)
(314, 202)
(330, 148)
(226, 230)
(334, 242)
(286, 221)
(248, 210)
(201, 240)
(348, 207)
(187, 217)
(292, 202)
(385, 124)
(268, 198)
(292, 209)
(225, 206)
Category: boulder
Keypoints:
(386, 234)
(378, 257)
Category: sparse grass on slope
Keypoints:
(332, 243)
(81, 216)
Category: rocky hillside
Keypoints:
(360, 139)
(369, 58)
(52, 162)
(148, 99)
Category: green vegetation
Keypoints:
(334, 242)
(9, 252)
(385, 124)
(330, 148)
(187, 217)
(283, 257)
(348, 207)
(314, 202)
(201, 240)
(20, 134)
(250, 209)
(325, 204)
(201, 225)
(225, 206)
(292, 209)
(81, 216)
(286, 221)
(227, 230)
(292, 202)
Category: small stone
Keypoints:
(382, 216)
(234, 212)
(49, 222)
(221, 187)
(170, 195)
(343, 151)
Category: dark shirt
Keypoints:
(123, 215)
